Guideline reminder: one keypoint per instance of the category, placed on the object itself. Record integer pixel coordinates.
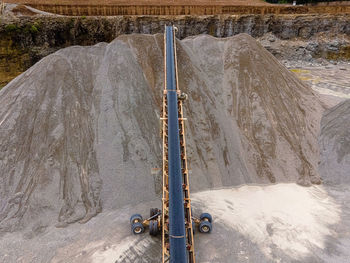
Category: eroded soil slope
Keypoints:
(80, 129)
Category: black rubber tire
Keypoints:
(135, 218)
(153, 228)
(206, 216)
(137, 228)
(205, 227)
(153, 211)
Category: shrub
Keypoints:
(11, 28)
(33, 29)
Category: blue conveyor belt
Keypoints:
(177, 237)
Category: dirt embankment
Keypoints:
(182, 7)
(98, 10)
(141, 2)
(23, 42)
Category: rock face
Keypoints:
(26, 40)
(335, 144)
(321, 46)
(80, 129)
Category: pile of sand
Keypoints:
(80, 129)
(335, 144)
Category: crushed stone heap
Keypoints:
(335, 144)
(80, 131)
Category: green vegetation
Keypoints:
(11, 28)
(34, 28)
(31, 28)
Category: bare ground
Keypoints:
(259, 224)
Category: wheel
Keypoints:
(183, 96)
(153, 211)
(206, 216)
(205, 227)
(135, 218)
(153, 228)
(137, 228)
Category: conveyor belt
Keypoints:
(177, 221)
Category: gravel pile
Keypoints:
(79, 130)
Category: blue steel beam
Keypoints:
(177, 235)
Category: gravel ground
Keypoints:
(255, 223)
(328, 78)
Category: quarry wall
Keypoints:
(25, 41)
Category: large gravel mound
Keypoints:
(80, 129)
(335, 144)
